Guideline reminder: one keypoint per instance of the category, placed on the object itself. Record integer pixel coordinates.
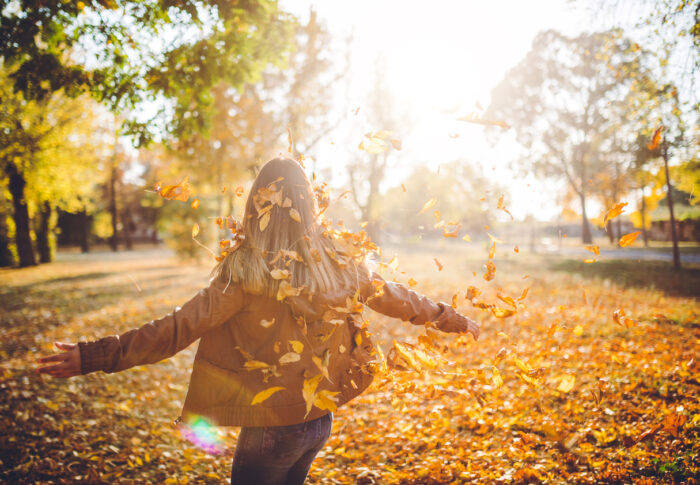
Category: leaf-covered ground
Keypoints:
(584, 398)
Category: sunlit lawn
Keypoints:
(451, 425)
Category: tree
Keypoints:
(557, 101)
(367, 171)
(46, 155)
(129, 54)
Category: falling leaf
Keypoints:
(394, 263)
(523, 294)
(437, 263)
(493, 238)
(267, 323)
(613, 212)
(289, 139)
(628, 239)
(396, 144)
(492, 251)
(195, 203)
(496, 378)
(428, 205)
(578, 330)
(264, 221)
(474, 118)
(656, 138)
(179, 191)
(411, 283)
(593, 249)
(566, 383)
(240, 191)
(403, 187)
(490, 271)
(589, 261)
(448, 234)
(263, 395)
(502, 207)
(297, 346)
(466, 238)
(289, 357)
(195, 230)
(502, 312)
(294, 214)
(516, 249)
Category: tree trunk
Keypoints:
(23, 239)
(84, 231)
(127, 226)
(43, 243)
(6, 257)
(585, 226)
(643, 212)
(669, 195)
(113, 207)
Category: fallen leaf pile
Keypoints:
(575, 379)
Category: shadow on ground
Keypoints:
(655, 275)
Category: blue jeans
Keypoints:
(278, 455)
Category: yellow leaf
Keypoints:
(263, 395)
(297, 346)
(466, 237)
(195, 203)
(195, 230)
(496, 378)
(289, 357)
(267, 323)
(294, 214)
(588, 261)
(411, 283)
(256, 364)
(428, 205)
(566, 383)
(492, 251)
(394, 263)
(326, 400)
(578, 330)
(396, 144)
(628, 239)
(309, 391)
(264, 221)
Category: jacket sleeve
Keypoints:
(163, 338)
(397, 301)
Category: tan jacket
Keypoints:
(236, 327)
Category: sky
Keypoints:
(440, 61)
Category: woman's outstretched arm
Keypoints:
(397, 301)
(155, 341)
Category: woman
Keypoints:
(282, 342)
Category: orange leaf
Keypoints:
(179, 191)
(593, 249)
(628, 239)
(437, 263)
(195, 203)
(656, 138)
(615, 211)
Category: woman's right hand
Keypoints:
(68, 362)
(470, 326)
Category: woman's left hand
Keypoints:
(67, 363)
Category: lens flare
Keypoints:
(203, 434)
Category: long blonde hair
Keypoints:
(282, 232)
